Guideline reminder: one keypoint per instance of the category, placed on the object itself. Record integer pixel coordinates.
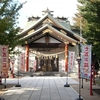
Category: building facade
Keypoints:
(47, 42)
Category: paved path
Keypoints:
(41, 88)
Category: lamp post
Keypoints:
(79, 61)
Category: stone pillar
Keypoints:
(66, 57)
(27, 57)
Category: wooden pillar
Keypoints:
(57, 63)
(36, 62)
(66, 57)
(27, 57)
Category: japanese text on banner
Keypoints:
(86, 61)
(22, 62)
(71, 61)
(4, 61)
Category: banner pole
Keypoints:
(5, 82)
(91, 93)
(0, 80)
(67, 85)
(79, 61)
(70, 66)
(82, 84)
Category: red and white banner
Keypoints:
(85, 65)
(34, 67)
(63, 65)
(71, 61)
(12, 61)
(4, 61)
(22, 62)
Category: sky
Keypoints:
(61, 8)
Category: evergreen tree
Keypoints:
(89, 11)
(8, 22)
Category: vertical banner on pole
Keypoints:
(63, 65)
(22, 62)
(71, 61)
(86, 61)
(12, 60)
(34, 67)
(4, 62)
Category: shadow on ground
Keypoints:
(97, 91)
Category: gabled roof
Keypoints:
(57, 32)
(43, 18)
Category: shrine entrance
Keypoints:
(49, 35)
(47, 63)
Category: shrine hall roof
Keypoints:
(58, 27)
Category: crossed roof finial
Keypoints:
(47, 11)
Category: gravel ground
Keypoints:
(85, 91)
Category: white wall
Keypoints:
(61, 57)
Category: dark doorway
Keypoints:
(47, 63)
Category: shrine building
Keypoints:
(47, 41)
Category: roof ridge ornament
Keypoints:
(47, 11)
